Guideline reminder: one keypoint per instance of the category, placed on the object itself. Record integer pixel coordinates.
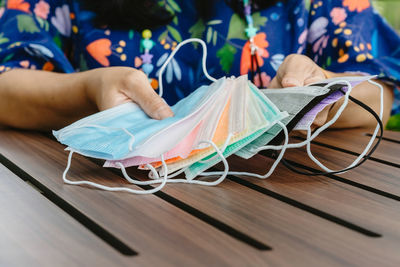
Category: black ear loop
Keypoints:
(366, 157)
(258, 70)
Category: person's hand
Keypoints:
(109, 87)
(297, 70)
(300, 70)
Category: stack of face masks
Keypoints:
(230, 116)
(230, 113)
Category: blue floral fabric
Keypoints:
(339, 35)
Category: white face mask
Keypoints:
(261, 114)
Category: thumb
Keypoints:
(155, 107)
(291, 79)
(152, 104)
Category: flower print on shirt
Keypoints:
(356, 5)
(212, 34)
(18, 5)
(260, 41)
(236, 31)
(1, 11)
(3, 39)
(100, 49)
(276, 61)
(265, 79)
(26, 23)
(317, 36)
(26, 64)
(42, 9)
(62, 20)
(353, 41)
(172, 68)
(302, 41)
(338, 15)
(40, 51)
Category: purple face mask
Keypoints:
(309, 118)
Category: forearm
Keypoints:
(369, 94)
(42, 100)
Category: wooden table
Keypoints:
(350, 219)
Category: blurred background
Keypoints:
(390, 9)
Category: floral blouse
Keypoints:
(339, 35)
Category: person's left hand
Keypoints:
(300, 70)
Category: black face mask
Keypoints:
(296, 102)
(297, 109)
(297, 105)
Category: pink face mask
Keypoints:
(182, 150)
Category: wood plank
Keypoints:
(288, 229)
(35, 232)
(373, 174)
(296, 236)
(393, 135)
(355, 205)
(160, 232)
(359, 204)
(356, 140)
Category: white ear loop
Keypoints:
(113, 189)
(310, 137)
(273, 167)
(157, 180)
(191, 40)
(322, 128)
(228, 139)
(367, 148)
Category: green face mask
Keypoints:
(262, 116)
(297, 102)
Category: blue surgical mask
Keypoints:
(114, 133)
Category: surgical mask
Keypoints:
(347, 81)
(309, 118)
(217, 116)
(296, 101)
(237, 128)
(264, 115)
(303, 104)
(112, 134)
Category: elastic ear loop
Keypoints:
(185, 181)
(113, 189)
(367, 148)
(131, 141)
(274, 165)
(224, 147)
(228, 139)
(190, 40)
(319, 130)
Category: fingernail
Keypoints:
(290, 82)
(163, 113)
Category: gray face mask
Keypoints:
(302, 104)
(297, 101)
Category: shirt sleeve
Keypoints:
(350, 36)
(35, 34)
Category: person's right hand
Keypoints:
(110, 87)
